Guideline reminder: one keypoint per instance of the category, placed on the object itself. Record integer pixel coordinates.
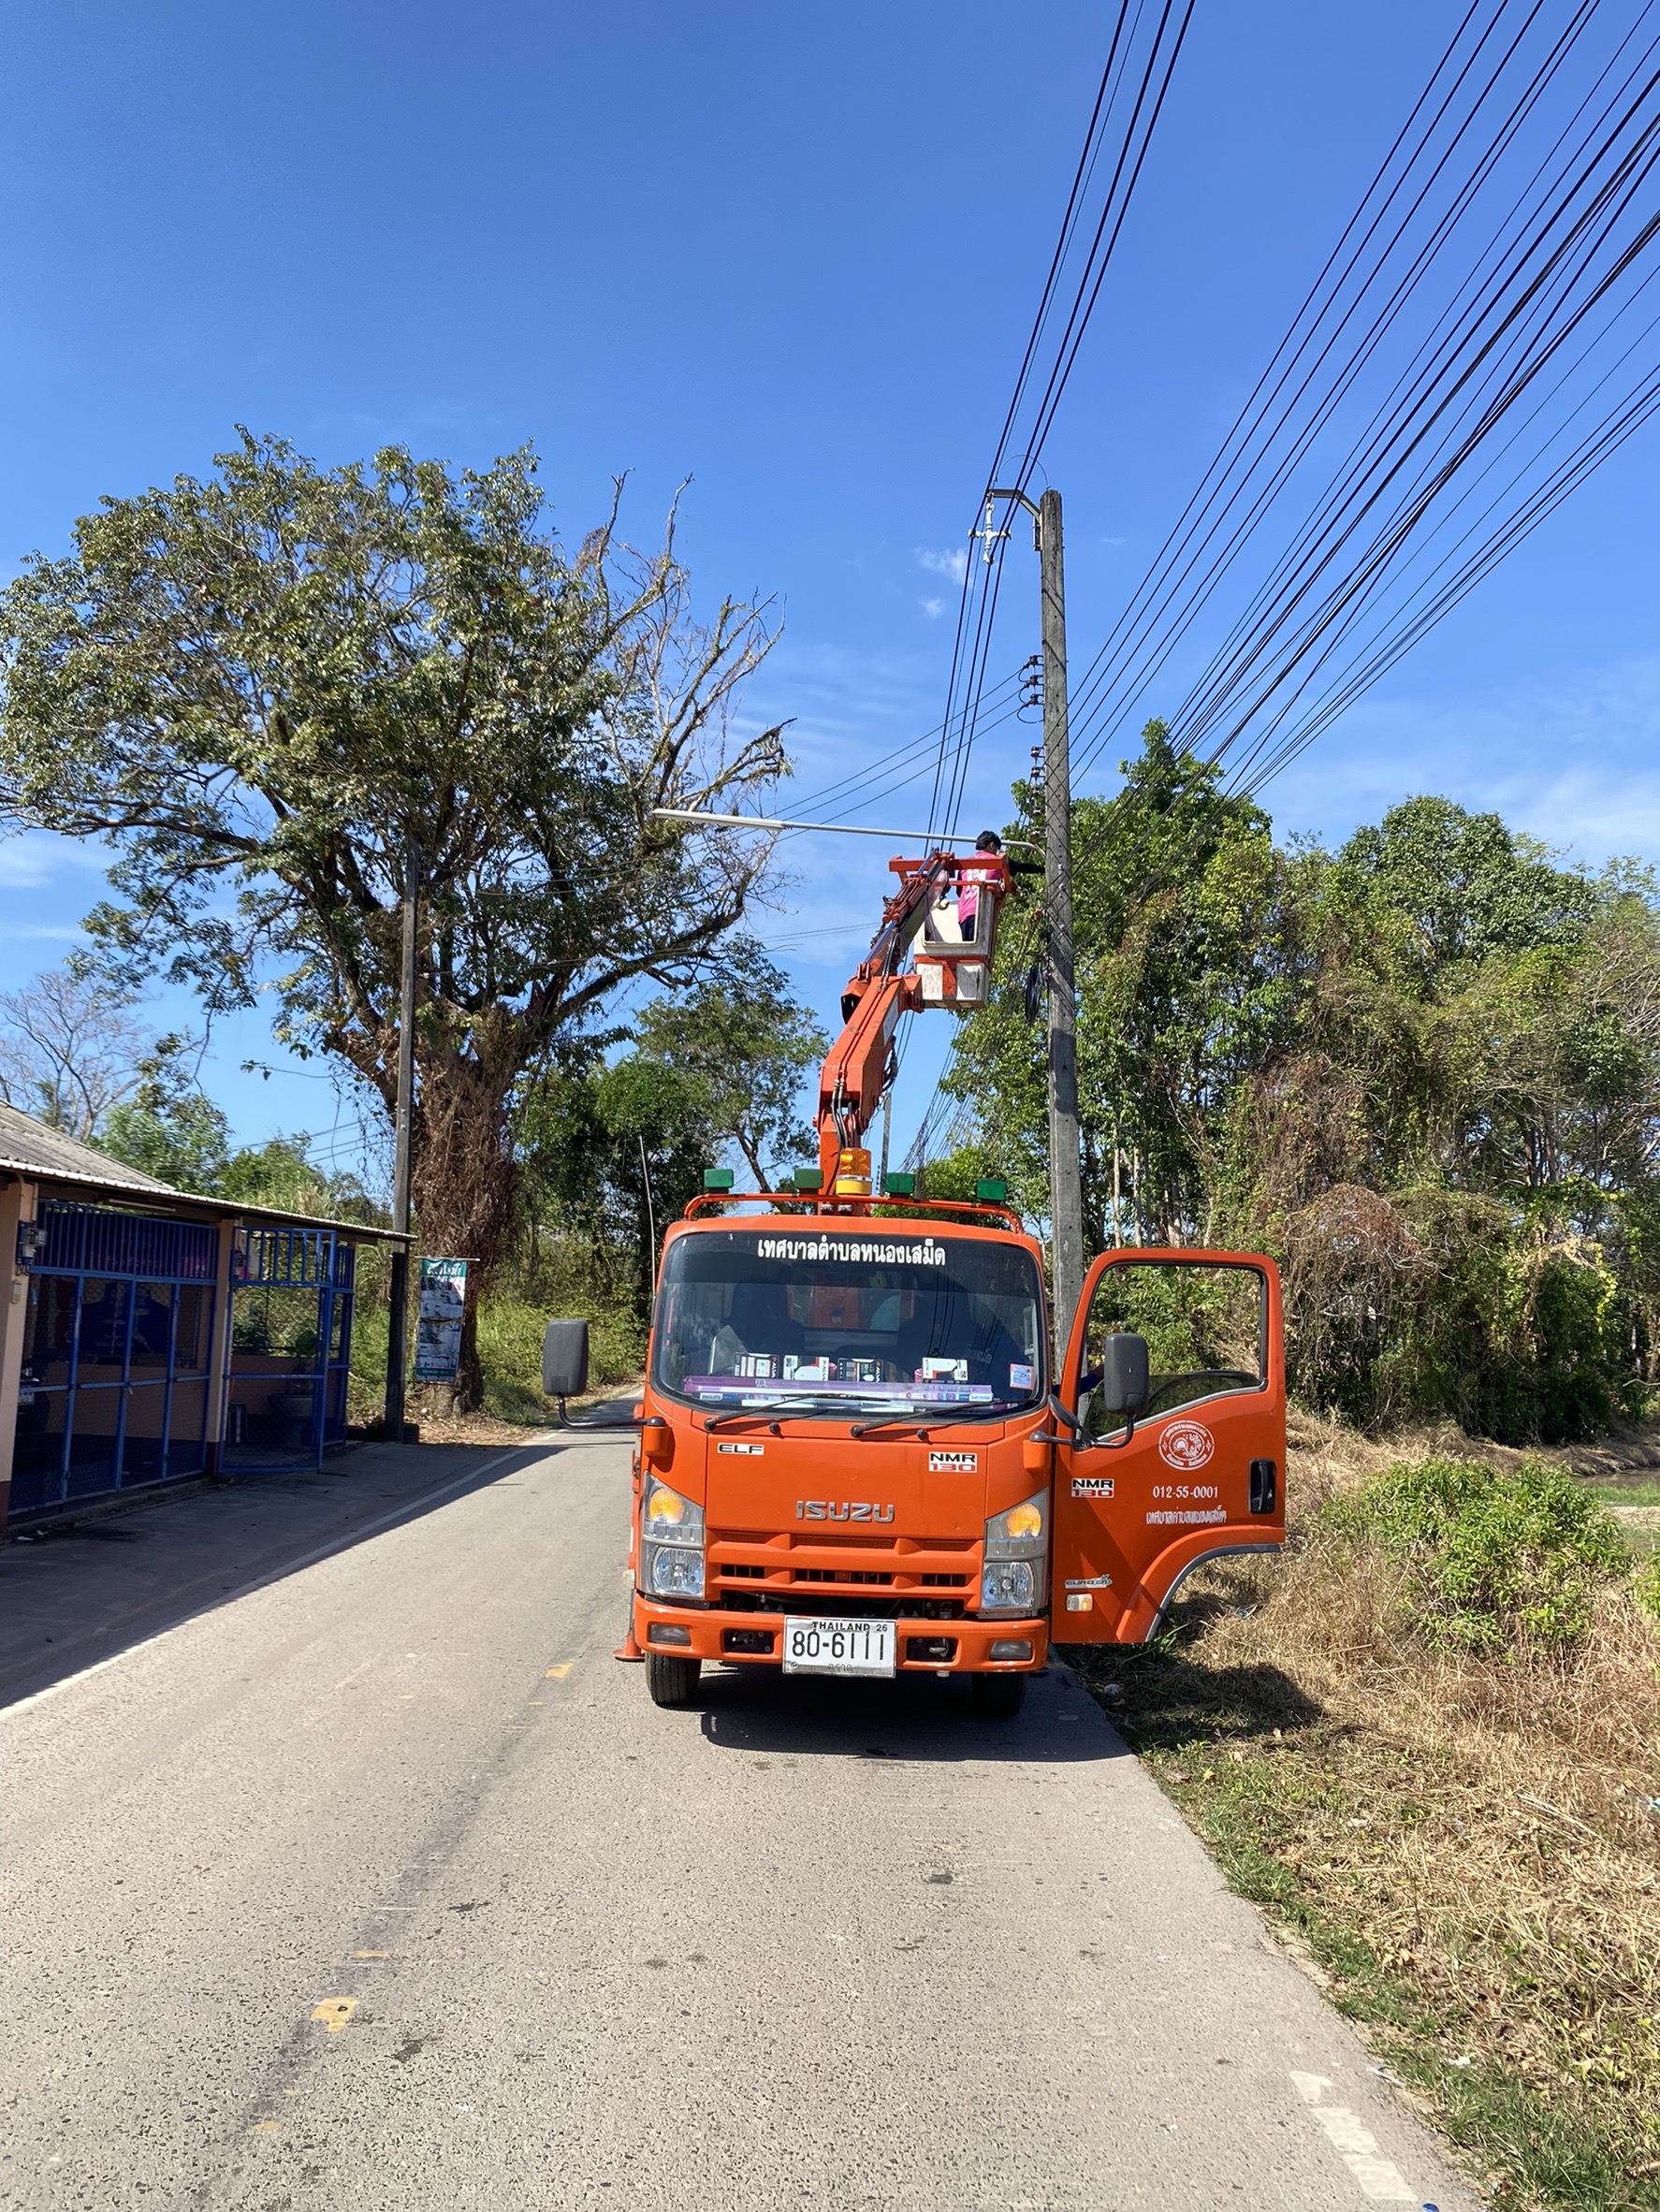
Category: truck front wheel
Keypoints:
(671, 1682)
(999, 1697)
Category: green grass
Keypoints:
(1624, 1490)
(510, 1353)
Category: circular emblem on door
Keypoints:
(1185, 1445)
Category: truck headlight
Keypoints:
(671, 1544)
(1016, 1542)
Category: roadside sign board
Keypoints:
(438, 1330)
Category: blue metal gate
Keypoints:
(116, 1355)
(290, 1347)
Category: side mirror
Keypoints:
(1123, 1385)
(565, 1360)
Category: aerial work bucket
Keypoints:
(954, 951)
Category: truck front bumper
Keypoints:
(921, 1646)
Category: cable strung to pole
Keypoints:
(1128, 102)
(1537, 284)
(1397, 241)
(1275, 653)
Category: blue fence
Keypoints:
(117, 1355)
(123, 1339)
(290, 1347)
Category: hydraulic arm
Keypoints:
(946, 908)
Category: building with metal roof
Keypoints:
(152, 1334)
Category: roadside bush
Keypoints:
(510, 1330)
(510, 1333)
(1492, 1561)
(1648, 1587)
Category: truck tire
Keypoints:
(999, 1697)
(671, 1682)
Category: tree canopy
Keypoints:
(1423, 1070)
(615, 1149)
(72, 1047)
(267, 689)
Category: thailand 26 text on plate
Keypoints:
(839, 1647)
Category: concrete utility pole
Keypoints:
(1066, 1187)
(397, 1330)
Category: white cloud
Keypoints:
(933, 608)
(34, 857)
(954, 562)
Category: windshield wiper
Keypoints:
(742, 1412)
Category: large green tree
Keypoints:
(1423, 1070)
(743, 1049)
(614, 1150)
(1185, 977)
(270, 688)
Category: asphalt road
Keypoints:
(382, 1886)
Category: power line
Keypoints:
(1148, 67)
(1128, 102)
(1306, 377)
(1531, 295)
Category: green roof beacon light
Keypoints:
(717, 1178)
(897, 1185)
(992, 1191)
(809, 1178)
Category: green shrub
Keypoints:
(1495, 1559)
(1648, 1587)
(510, 1332)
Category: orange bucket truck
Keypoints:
(858, 1453)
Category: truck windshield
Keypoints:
(868, 1317)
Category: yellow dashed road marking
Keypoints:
(334, 2012)
(265, 2128)
(371, 1955)
(558, 1674)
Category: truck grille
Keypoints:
(891, 1579)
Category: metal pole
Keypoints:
(1066, 1190)
(650, 1210)
(397, 1328)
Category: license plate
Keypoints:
(839, 1647)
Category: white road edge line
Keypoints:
(1355, 2145)
(340, 1543)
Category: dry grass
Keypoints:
(1474, 1847)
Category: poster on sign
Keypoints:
(438, 1331)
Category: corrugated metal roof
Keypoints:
(31, 1148)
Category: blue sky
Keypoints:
(791, 254)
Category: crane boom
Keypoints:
(946, 906)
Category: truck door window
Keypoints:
(1206, 1326)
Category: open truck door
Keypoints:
(1170, 1411)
